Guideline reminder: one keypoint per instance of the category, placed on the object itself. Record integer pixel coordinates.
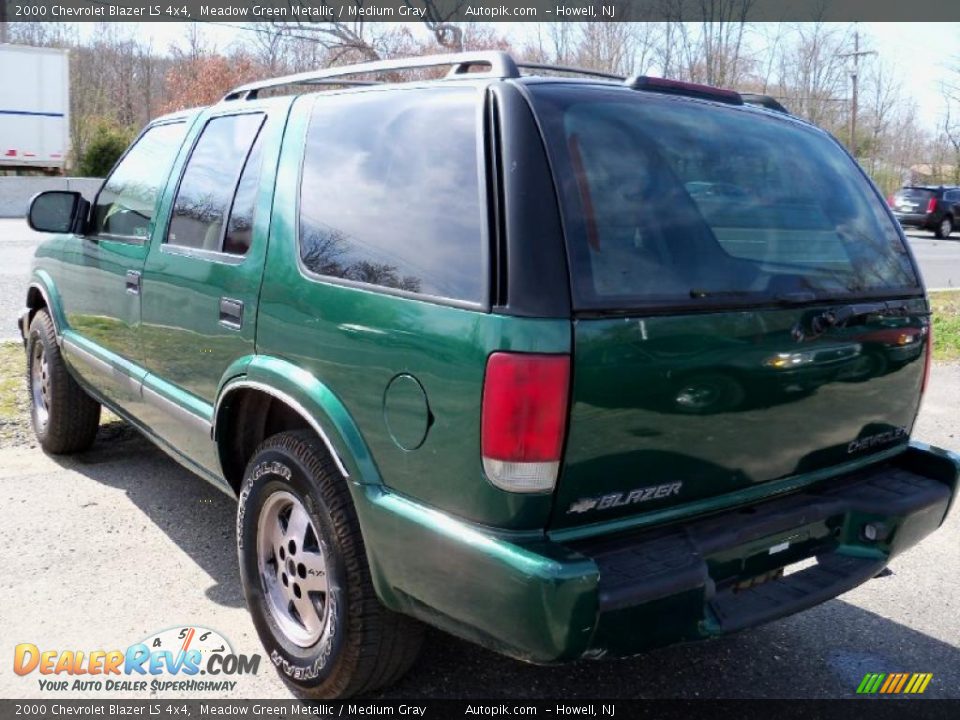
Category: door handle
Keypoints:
(231, 313)
(133, 282)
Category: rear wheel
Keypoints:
(944, 228)
(306, 579)
(65, 419)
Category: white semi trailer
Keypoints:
(34, 108)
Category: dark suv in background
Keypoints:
(927, 208)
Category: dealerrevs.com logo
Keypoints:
(179, 659)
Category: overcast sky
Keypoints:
(921, 52)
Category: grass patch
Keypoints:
(946, 325)
(14, 401)
(15, 427)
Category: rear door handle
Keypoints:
(133, 282)
(231, 313)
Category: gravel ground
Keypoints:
(103, 549)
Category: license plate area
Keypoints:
(761, 560)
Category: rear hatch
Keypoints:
(911, 201)
(747, 315)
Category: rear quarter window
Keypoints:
(671, 200)
(390, 194)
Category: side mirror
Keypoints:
(58, 211)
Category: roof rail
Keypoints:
(496, 64)
(500, 65)
(564, 69)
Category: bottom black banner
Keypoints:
(875, 709)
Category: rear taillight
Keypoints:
(927, 358)
(890, 200)
(524, 419)
(932, 205)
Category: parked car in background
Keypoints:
(928, 208)
(484, 353)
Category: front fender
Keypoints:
(41, 282)
(318, 405)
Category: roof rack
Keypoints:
(500, 64)
(493, 64)
(485, 64)
(569, 70)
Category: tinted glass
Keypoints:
(912, 200)
(240, 225)
(673, 201)
(208, 183)
(390, 193)
(126, 204)
(914, 194)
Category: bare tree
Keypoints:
(704, 41)
(812, 75)
(356, 39)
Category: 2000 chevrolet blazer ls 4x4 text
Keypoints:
(569, 367)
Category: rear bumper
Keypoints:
(923, 221)
(543, 601)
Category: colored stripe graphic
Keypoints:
(891, 681)
(894, 683)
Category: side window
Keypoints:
(390, 194)
(240, 223)
(212, 175)
(126, 203)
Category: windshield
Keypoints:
(668, 201)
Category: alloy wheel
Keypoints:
(293, 568)
(40, 385)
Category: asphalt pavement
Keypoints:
(102, 550)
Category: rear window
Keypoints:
(390, 194)
(672, 201)
(914, 194)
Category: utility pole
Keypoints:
(855, 81)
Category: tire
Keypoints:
(296, 530)
(944, 228)
(64, 417)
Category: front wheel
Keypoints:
(944, 228)
(306, 579)
(65, 419)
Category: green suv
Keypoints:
(568, 366)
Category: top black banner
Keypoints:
(480, 10)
